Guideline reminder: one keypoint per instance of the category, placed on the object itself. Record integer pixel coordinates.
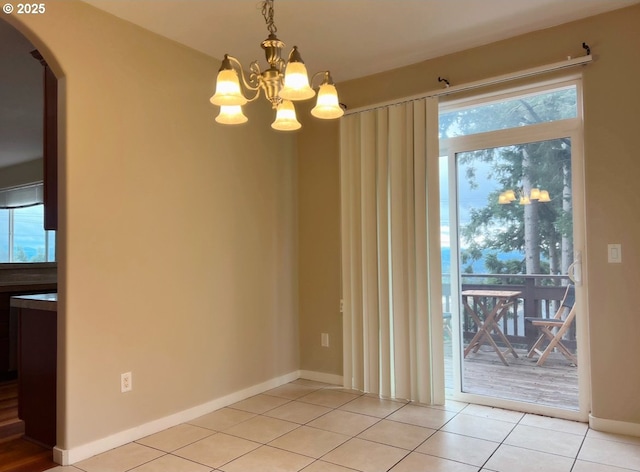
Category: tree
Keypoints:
(21, 255)
(540, 231)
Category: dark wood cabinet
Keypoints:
(9, 326)
(37, 365)
(50, 145)
(7, 334)
(8, 338)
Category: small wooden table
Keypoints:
(487, 320)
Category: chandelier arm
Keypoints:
(247, 84)
(255, 74)
(326, 75)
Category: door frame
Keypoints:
(573, 129)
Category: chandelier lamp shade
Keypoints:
(536, 194)
(282, 83)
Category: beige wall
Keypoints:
(612, 162)
(319, 246)
(20, 174)
(177, 256)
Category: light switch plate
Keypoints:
(615, 253)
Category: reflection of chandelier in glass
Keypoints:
(536, 194)
(282, 83)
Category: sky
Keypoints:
(468, 199)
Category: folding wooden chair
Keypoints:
(553, 329)
(446, 324)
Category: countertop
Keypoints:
(40, 301)
(27, 286)
(28, 277)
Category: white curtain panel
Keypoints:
(391, 277)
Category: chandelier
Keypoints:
(536, 194)
(282, 84)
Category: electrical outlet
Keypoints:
(324, 339)
(125, 382)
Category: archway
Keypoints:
(16, 28)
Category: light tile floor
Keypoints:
(313, 427)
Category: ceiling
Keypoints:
(352, 38)
(20, 99)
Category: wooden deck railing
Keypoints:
(541, 296)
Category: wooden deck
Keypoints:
(554, 384)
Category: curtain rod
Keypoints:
(482, 83)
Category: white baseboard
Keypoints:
(614, 426)
(77, 454)
(321, 377)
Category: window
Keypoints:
(513, 112)
(22, 234)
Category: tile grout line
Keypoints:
(501, 443)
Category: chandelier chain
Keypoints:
(267, 13)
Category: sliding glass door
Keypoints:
(512, 232)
